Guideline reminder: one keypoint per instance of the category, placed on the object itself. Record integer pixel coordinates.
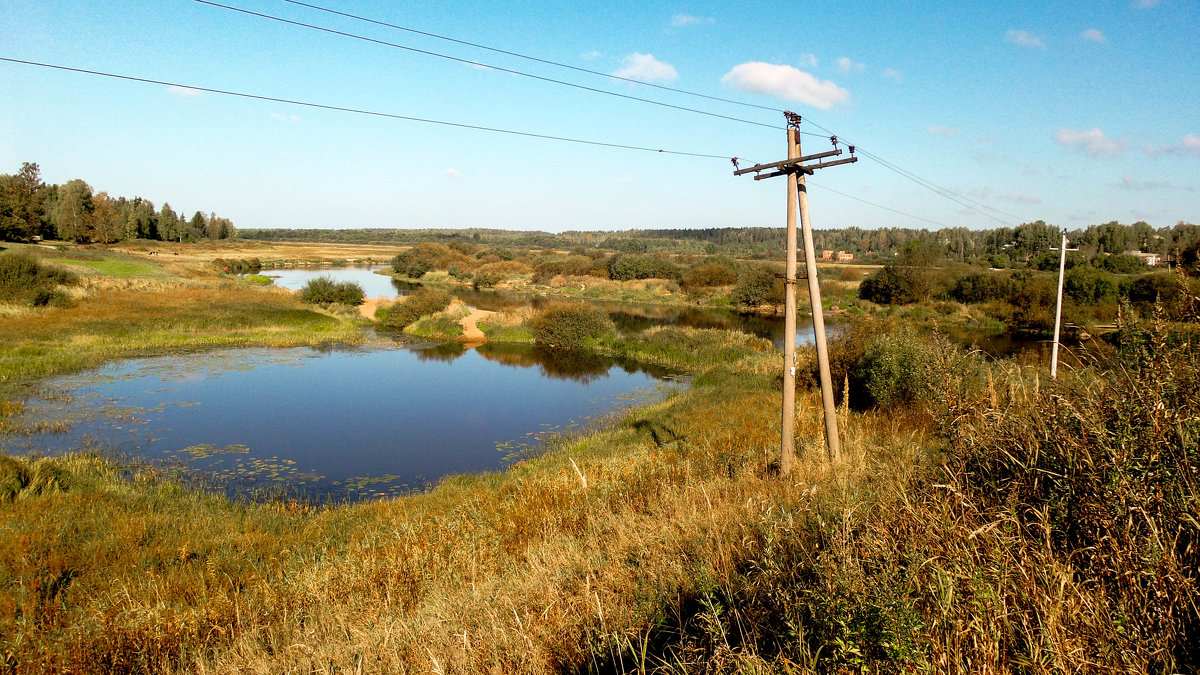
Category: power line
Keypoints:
(944, 192)
(486, 65)
(927, 184)
(531, 58)
(372, 113)
(878, 206)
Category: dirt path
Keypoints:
(471, 332)
(367, 309)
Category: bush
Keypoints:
(1122, 263)
(627, 266)
(708, 274)
(1152, 288)
(1033, 301)
(978, 287)
(324, 290)
(894, 369)
(24, 280)
(573, 265)
(898, 285)
(757, 285)
(563, 325)
(408, 309)
(422, 258)
(1090, 286)
(238, 266)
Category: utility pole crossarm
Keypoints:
(807, 169)
(786, 162)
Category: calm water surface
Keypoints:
(343, 424)
(373, 285)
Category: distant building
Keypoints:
(1151, 259)
(827, 255)
(842, 256)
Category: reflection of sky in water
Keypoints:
(373, 285)
(341, 414)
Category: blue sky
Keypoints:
(1071, 112)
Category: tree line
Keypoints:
(74, 212)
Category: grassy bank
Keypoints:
(125, 309)
(984, 519)
(989, 522)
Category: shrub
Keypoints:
(627, 266)
(408, 309)
(850, 274)
(1152, 288)
(422, 258)
(978, 287)
(757, 285)
(898, 285)
(708, 274)
(24, 280)
(324, 290)
(1033, 301)
(564, 325)
(573, 265)
(238, 266)
(493, 273)
(1089, 286)
(1122, 263)
(894, 369)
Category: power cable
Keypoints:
(487, 65)
(869, 203)
(373, 113)
(949, 194)
(531, 58)
(927, 184)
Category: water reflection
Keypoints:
(341, 424)
(373, 285)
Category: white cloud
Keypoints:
(892, 74)
(293, 119)
(785, 82)
(185, 92)
(452, 172)
(1092, 141)
(807, 60)
(939, 130)
(1190, 145)
(646, 68)
(625, 180)
(590, 56)
(845, 64)
(1093, 35)
(681, 20)
(1025, 39)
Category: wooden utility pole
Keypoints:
(1062, 267)
(796, 170)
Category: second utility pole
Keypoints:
(794, 168)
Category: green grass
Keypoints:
(122, 269)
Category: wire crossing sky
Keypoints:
(969, 116)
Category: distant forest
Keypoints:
(1000, 247)
(74, 212)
